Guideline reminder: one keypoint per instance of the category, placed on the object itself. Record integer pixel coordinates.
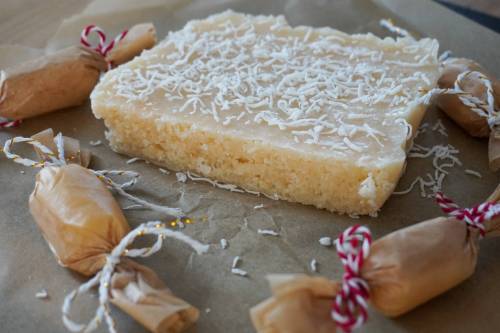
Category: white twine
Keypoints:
(476, 105)
(103, 278)
(389, 25)
(101, 174)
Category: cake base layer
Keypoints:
(282, 174)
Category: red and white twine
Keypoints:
(5, 123)
(350, 307)
(474, 217)
(102, 48)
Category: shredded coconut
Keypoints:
(224, 243)
(367, 188)
(95, 143)
(444, 157)
(389, 25)
(473, 173)
(42, 294)
(133, 160)
(268, 232)
(236, 262)
(325, 88)
(326, 241)
(164, 171)
(238, 271)
(440, 128)
(181, 177)
(134, 206)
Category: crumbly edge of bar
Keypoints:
(293, 176)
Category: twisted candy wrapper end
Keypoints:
(72, 151)
(300, 303)
(404, 270)
(138, 291)
(140, 37)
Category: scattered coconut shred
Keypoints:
(42, 294)
(326, 241)
(473, 173)
(164, 171)
(268, 232)
(314, 265)
(234, 267)
(444, 157)
(224, 243)
(133, 160)
(236, 262)
(183, 176)
(95, 143)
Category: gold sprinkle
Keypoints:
(173, 223)
(188, 221)
(158, 226)
(140, 233)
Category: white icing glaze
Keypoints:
(345, 95)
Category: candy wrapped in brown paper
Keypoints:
(66, 77)
(403, 270)
(72, 150)
(472, 122)
(52, 82)
(82, 223)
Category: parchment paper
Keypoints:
(27, 265)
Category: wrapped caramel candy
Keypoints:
(471, 97)
(397, 273)
(67, 77)
(56, 81)
(88, 233)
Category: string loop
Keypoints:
(474, 217)
(350, 307)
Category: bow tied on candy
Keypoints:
(397, 272)
(102, 48)
(474, 217)
(125, 46)
(88, 233)
(349, 309)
